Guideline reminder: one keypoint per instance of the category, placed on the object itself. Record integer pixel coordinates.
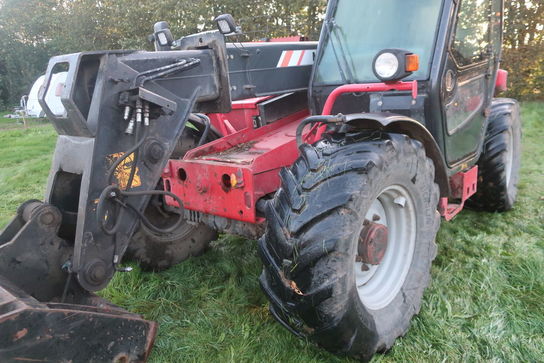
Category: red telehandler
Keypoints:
(340, 156)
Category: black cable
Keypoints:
(215, 134)
(314, 120)
(115, 193)
(160, 72)
(125, 155)
(110, 192)
(107, 192)
(144, 219)
(207, 126)
(136, 156)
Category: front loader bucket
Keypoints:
(31, 331)
(45, 316)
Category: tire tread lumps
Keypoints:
(315, 197)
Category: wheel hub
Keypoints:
(385, 247)
(373, 243)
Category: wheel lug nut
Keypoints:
(400, 201)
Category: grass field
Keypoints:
(485, 303)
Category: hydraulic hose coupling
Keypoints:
(146, 113)
(139, 111)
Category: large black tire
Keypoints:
(314, 224)
(159, 251)
(499, 164)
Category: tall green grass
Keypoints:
(485, 303)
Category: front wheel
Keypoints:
(350, 241)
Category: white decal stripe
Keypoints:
(308, 58)
(293, 58)
(281, 59)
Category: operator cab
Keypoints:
(458, 62)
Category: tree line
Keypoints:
(31, 31)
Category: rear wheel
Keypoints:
(159, 251)
(499, 164)
(350, 240)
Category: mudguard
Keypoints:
(408, 126)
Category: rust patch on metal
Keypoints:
(292, 284)
(372, 243)
(122, 358)
(294, 287)
(229, 155)
(20, 334)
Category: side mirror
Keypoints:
(226, 24)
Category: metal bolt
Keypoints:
(400, 201)
(47, 218)
(154, 152)
(96, 272)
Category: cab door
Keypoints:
(468, 81)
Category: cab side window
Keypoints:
(472, 35)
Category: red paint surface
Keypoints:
(296, 38)
(367, 87)
(463, 186)
(241, 116)
(501, 83)
(360, 88)
(255, 156)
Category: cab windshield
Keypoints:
(360, 29)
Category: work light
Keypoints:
(162, 36)
(226, 24)
(392, 65)
(386, 65)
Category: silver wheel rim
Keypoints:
(379, 285)
(509, 157)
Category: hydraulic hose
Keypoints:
(338, 119)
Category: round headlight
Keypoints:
(386, 65)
